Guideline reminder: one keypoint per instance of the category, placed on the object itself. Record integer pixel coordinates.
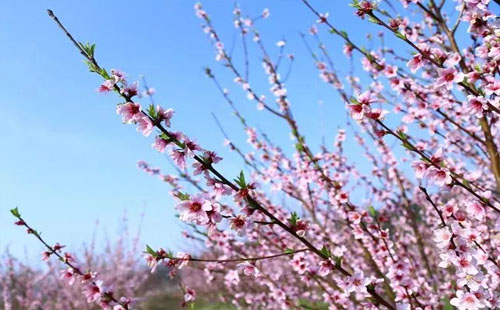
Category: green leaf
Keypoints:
(447, 305)
(373, 20)
(408, 146)
(88, 48)
(325, 251)
(353, 100)
(152, 111)
(299, 147)
(104, 74)
(400, 35)
(241, 180)
(372, 211)
(91, 66)
(182, 196)
(338, 260)
(343, 34)
(293, 218)
(15, 212)
(354, 4)
(164, 136)
(289, 251)
(150, 251)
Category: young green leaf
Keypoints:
(325, 251)
(150, 251)
(15, 212)
(241, 180)
(182, 196)
(293, 218)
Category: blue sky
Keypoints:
(67, 161)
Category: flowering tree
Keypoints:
(427, 237)
(118, 265)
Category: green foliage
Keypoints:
(309, 305)
(354, 4)
(15, 212)
(400, 35)
(293, 219)
(152, 111)
(182, 196)
(325, 251)
(88, 48)
(241, 180)
(447, 305)
(372, 211)
(150, 251)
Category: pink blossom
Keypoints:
(129, 111)
(265, 13)
(477, 105)
(452, 60)
(280, 43)
(240, 224)
(354, 217)
(357, 111)
(342, 197)
(366, 98)
(356, 283)
(466, 301)
(184, 259)
(144, 125)
(118, 76)
(415, 63)
(68, 275)
(442, 237)
(476, 210)
(449, 76)
(313, 30)
(189, 294)
(46, 255)
(179, 157)
(420, 169)
(300, 228)
(164, 115)
(441, 176)
(249, 269)
(465, 263)
(365, 7)
(93, 291)
(106, 86)
(492, 87)
(377, 114)
(347, 50)
(130, 90)
(391, 71)
(160, 144)
(325, 267)
(194, 209)
(323, 18)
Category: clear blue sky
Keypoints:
(65, 158)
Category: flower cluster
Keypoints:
(415, 226)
